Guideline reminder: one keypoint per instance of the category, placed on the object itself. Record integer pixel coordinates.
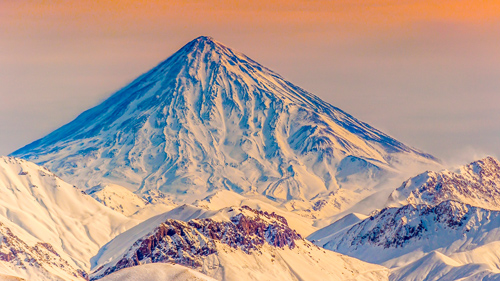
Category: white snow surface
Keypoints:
(157, 272)
(436, 266)
(324, 234)
(4, 277)
(130, 204)
(37, 206)
(209, 118)
(117, 198)
(306, 262)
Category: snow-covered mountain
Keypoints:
(225, 198)
(423, 242)
(416, 229)
(438, 226)
(210, 118)
(235, 243)
(477, 184)
(50, 224)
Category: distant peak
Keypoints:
(488, 160)
(485, 163)
(203, 42)
(204, 38)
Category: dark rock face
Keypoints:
(172, 241)
(186, 243)
(42, 255)
(249, 233)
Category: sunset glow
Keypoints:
(370, 51)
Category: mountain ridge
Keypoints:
(234, 243)
(476, 183)
(400, 235)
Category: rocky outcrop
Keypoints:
(187, 243)
(477, 183)
(42, 256)
(393, 232)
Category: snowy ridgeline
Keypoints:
(446, 225)
(477, 183)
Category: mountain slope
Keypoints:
(236, 243)
(445, 226)
(477, 184)
(396, 236)
(210, 118)
(326, 232)
(10, 278)
(130, 204)
(39, 207)
(117, 198)
(157, 272)
(436, 266)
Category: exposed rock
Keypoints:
(20, 255)
(393, 232)
(477, 183)
(186, 243)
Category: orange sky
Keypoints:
(57, 58)
(132, 15)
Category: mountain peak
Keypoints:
(210, 118)
(205, 40)
(485, 163)
(202, 43)
(206, 51)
